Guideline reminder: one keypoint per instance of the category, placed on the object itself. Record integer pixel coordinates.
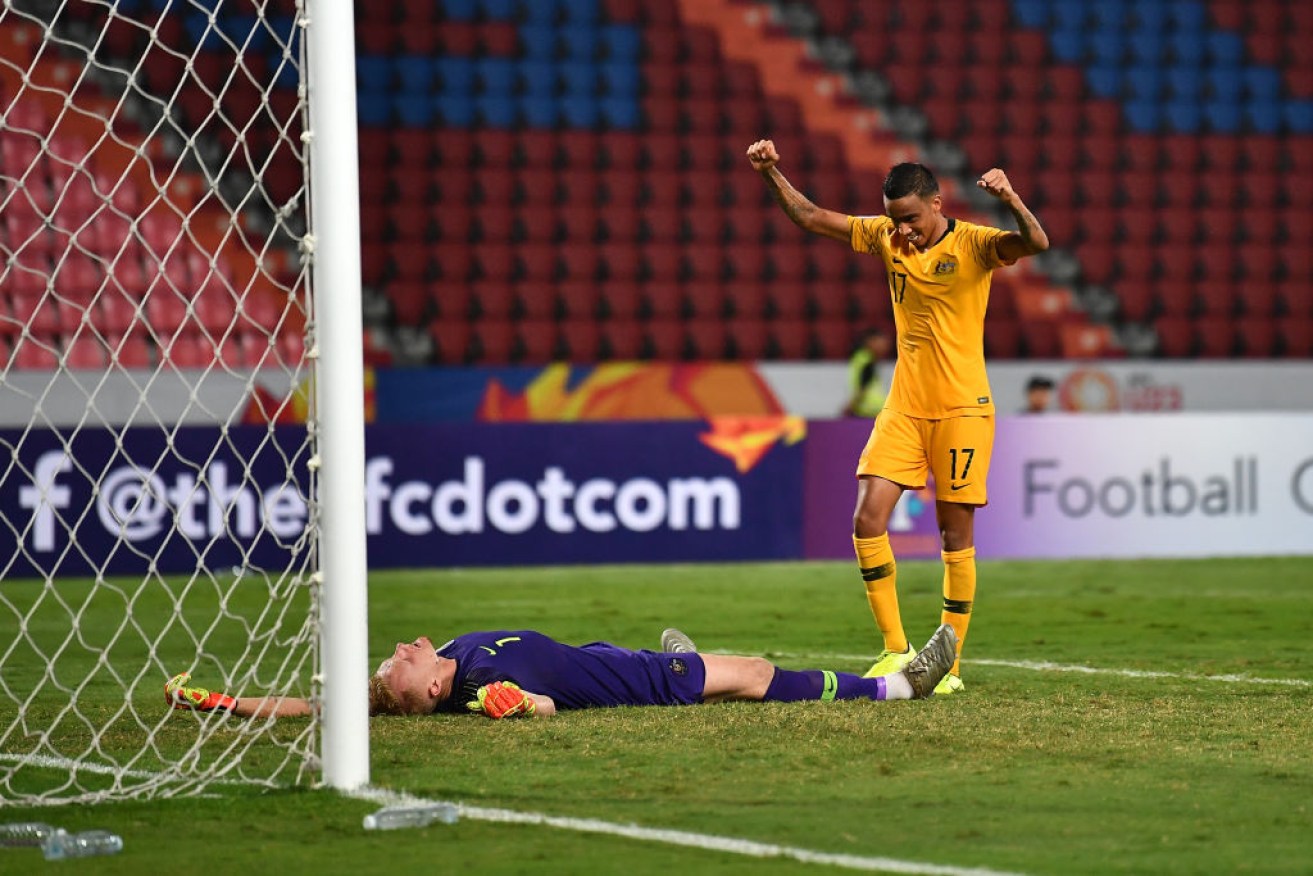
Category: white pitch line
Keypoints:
(1047, 666)
(709, 842)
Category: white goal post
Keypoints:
(181, 395)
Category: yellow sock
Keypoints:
(959, 593)
(876, 560)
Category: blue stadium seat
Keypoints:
(537, 111)
(578, 78)
(579, 42)
(1146, 47)
(497, 76)
(1299, 116)
(621, 80)
(1185, 83)
(580, 112)
(413, 110)
(455, 75)
(1224, 48)
(1263, 116)
(455, 110)
(244, 31)
(542, 11)
(1188, 49)
(1224, 118)
(620, 42)
(1106, 47)
(1069, 17)
(1105, 80)
(1145, 82)
(1151, 15)
(460, 10)
(1187, 15)
(1034, 14)
(414, 73)
(1262, 82)
(1110, 15)
(200, 34)
(1068, 46)
(1183, 116)
(621, 114)
(372, 109)
(538, 78)
(1224, 84)
(373, 73)
(497, 110)
(581, 11)
(1144, 116)
(538, 41)
(500, 10)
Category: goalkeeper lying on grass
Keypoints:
(507, 673)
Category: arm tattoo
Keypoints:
(1032, 233)
(793, 202)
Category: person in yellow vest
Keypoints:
(865, 389)
(939, 416)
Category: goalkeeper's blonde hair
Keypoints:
(382, 699)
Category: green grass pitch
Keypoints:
(1094, 737)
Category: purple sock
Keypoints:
(789, 686)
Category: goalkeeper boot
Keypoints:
(950, 684)
(890, 662)
(675, 642)
(930, 666)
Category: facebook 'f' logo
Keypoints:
(43, 497)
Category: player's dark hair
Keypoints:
(910, 178)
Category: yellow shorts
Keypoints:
(955, 451)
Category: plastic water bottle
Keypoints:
(62, 844)
(411, 816)
(24, 833)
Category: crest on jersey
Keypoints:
(946, 265)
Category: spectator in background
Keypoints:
(865, 389)
(1039, 394)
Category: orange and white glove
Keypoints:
(502, 699)
(198, 699)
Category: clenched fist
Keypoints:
(763, 156)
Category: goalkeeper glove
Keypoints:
(502, 699)
(198, 699)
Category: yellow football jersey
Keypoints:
(939, 300)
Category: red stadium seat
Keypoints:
(580, 299)
(624, 340)
(622, 301)
(451, 341)
(1296, 337)
(707, 339)
(536, 300)
(704, 300)
(745, 300)
(664, 300)
(493, 342)
(535, 341)
(580, 340)
(747, 339)
(1215, 337)
(1257, 337)
(1175, 337)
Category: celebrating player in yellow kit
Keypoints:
(939, 416)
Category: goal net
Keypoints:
(158, 492)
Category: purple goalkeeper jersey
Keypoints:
(595, 675)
